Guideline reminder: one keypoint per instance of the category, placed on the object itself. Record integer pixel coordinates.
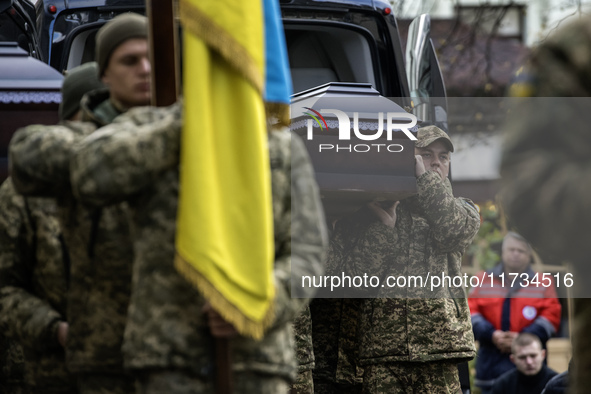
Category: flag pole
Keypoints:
(165, 87)
(223, 362)
(163, 51)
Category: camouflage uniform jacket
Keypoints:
(432, 231)
(546, 169)
(97, 240)
(33, 284)
(166, 327)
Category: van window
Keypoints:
(322, 54)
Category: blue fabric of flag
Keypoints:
(278, 88)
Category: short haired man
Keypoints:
(98, 239)
(500, 311)
(411, 342)
(122, 54)
(531, 374)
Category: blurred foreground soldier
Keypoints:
(530, 374)
(97, 239)
(170, 333)
(546, 168)
(34, 266)
(500, 311)
(415, 342)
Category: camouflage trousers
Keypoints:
(184, 382)
(304, 383)
(438, 377)
(336, 388)
(103, 383)
(12, 366)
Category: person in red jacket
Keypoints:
(511, 298)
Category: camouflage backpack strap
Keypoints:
(65, 257)
(29, 243)
(95, 218)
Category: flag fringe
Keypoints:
(200, 25)
(220, 304)
(278, 113)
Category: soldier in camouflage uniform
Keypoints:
(98, 240)
(412, 343)
(168, 340)
(34, 266)
(33, 285)
(545, 168)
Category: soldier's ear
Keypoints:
(512, 358)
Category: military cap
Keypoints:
(429, 134)
(78, 81)
(118, 30)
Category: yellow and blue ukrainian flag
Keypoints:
(234, 59)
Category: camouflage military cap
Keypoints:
(429, 134)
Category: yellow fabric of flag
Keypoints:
(225, 220)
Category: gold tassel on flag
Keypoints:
(225, 220)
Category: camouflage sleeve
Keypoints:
(40, 157)
(454, 222)
(124, 157)
(28, 318)
(303, 253)
(359, 244)
(371, 251)
(343, 243)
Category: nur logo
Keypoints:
(316, 119)
(393, 120)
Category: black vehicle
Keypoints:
(68, 29)
(18, 24)
(344, 41)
